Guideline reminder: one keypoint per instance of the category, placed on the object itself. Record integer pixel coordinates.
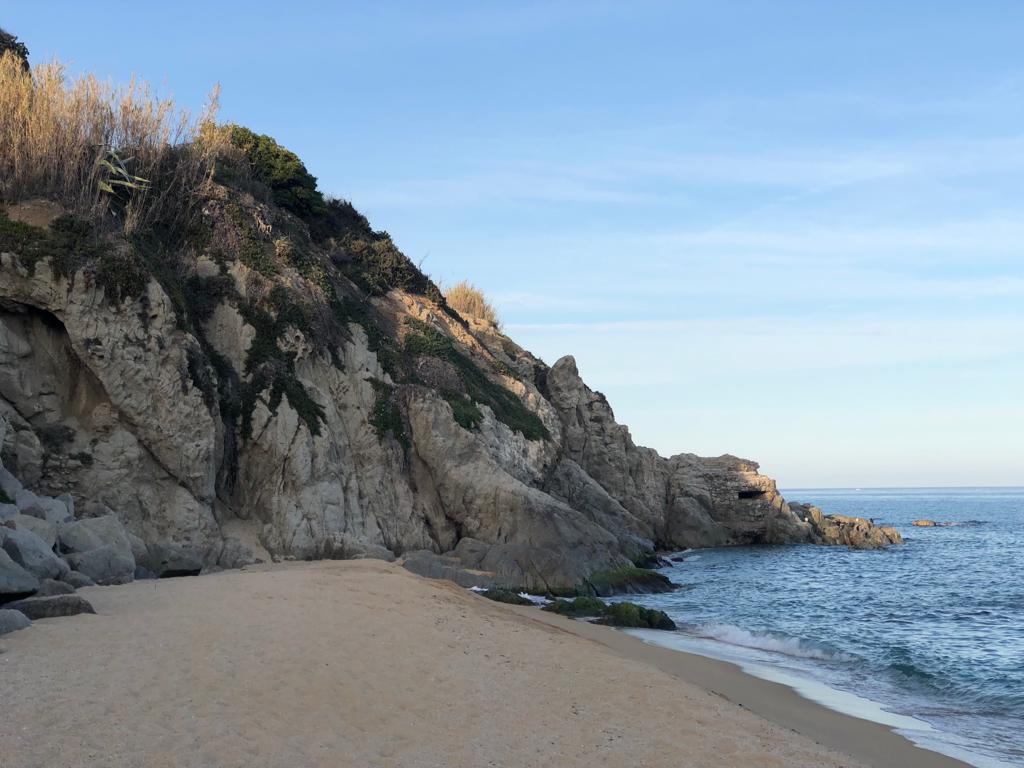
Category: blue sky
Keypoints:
(790, 231)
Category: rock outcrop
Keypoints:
(226, 412)
(855, 532)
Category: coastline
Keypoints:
(362, 663)
(867, 741)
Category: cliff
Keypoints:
(275, 380)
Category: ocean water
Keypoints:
(927, 637)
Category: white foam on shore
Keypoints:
(745, 657)
(764, 641)
(814, 690)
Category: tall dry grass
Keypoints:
(102, 150)
(469, 301)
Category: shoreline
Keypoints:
(870, 742)
(361, 663)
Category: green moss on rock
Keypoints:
(505, 596)
(635, 616)
(627, 579)
(577, 608)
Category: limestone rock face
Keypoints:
(682, 501)
(116, 442)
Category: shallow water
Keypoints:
(932, 630)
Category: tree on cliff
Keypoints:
(9, 42)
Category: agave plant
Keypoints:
(115, 176)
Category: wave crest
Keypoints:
(770, 641)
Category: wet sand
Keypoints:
(360, 663)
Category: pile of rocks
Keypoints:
(854, 532)
(46, 554)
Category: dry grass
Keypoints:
(470, 302)
(102, 150)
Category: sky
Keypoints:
(790, 231)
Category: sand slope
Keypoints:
(350, 664)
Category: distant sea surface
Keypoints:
(927, 637)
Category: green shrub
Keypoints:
(71, 244)
(10, 44)
(293, 187)
(466, 414)
(424, 339)
(386, 417)
(269, 367)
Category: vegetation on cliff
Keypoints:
(148, 191)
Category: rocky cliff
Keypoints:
(269, 384)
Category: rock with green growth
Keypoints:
(578, 607)
(505, 596)
(626, 580)
(635, 616)
(613, 615)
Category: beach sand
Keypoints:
(360, 663)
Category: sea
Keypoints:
(927, 637)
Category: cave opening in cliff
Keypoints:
(751, 494)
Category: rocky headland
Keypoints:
(263, 376)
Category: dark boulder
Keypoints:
(52, 607)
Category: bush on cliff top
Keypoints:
(101, 151)
(469, 301)
(10, 43)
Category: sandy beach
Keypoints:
(360, 663)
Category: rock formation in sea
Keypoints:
(273, 381)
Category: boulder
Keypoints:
(31, 553)
(49, 588)
(636, 616)
(81, 536)
(52, 607)
(8, 510)
(235, 554)
(108, 564)
(167, 559)
(43, 507)
(348, 547)
(433, 566)
(9, 484)
(15, 581)
(77, 580)
(44, 529)
(11, 621)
